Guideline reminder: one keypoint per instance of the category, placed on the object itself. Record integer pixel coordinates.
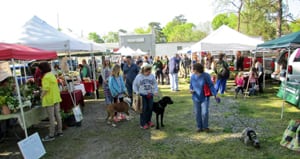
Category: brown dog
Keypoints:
(122, 107)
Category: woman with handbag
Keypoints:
(201, 88)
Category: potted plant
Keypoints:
(4, 108)
(8, 102)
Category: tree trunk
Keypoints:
(239, 15)
(279, 19)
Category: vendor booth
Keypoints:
(289, 91)
(226, 39)
(12, 52)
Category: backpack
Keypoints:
(222, 69)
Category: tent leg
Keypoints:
(19, 98)
(284, 93)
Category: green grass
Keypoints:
(178, 139)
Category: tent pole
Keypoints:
(285, 84)
(94, 71)
(19, 98)
(264, 74)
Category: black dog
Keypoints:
(159, 109)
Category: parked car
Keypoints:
(292, 68)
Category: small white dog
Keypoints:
(249, 137)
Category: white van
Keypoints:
(293, 68)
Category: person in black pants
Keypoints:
(260, 72)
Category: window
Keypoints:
(179, 47)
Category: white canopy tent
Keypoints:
(37, 33)
(226, 39)
(94, 46)
(139, 52)
(125, 51)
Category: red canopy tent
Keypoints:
(22, 52)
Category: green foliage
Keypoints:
(224, 19)
(180, 31)
(142, 30)
(258, 17)
(295, 26)
(6, 96)
(111, 37)
(95, 37)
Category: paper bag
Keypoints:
(137, 103)
(77, 113)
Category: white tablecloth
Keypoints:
(80, 87)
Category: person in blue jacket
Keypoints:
(117, 86)
(201, 102)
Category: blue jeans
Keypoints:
(201, 110)
(221, 84)
(146, 115)
(174, 81)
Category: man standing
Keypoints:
(260, 71)
(173, 70)
(239, 61)
(130, 71)
(186, 64)
(86, 71)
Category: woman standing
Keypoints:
(146, 86)
(50, 100)
(157, 69)
(201, 102)
(105, 73)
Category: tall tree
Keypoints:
(224, 19)
(142, 30)
(231, 6)
(157, 30)
(178, 30)
(279, 18)
(95, 37)
(111, 37)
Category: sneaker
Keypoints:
(116, 119)
(48, 138)
(150, 124)
(206, 130)
(59, 134)
(199, 130)
(122, 117)
(145, 127)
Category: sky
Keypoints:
(102, 16)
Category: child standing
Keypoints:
(239, 80)
(117, 86)
(252, 80)
(146, 86)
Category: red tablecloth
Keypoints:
(89, 86)
(66, 104)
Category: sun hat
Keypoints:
(4, 71)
